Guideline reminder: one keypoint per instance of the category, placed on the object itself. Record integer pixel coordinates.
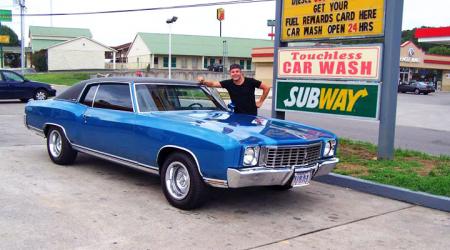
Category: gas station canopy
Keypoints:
(439, 35)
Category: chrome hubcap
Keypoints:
(55, 143)
(177, 180)
(41, 95)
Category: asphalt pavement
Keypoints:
(95, 204)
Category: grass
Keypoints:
(59, 78)
(410, 169)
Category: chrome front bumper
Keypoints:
(263, 176)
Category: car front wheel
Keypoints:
(59, 148)
(417, 91)
(40, 94)
(182, 185)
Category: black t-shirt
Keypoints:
(243, 96)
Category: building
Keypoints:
(43, 37)
(78, 53)
(415, 64)
(190, 51)
(69, 48)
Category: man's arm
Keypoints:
(266, 88)
(214, 84)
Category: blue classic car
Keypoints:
(15, 86)
(181, 131)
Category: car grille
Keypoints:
(282, 156)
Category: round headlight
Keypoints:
(251, 156)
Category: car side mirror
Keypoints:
(231, 106)
(25, 80)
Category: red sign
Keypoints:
(362, 62)
(220, 14)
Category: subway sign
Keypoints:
(326, 97)
(323, 19)
(362, 62)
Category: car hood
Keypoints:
(248, 129)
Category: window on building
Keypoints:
(242, 63)
(166, 62)
(174, 62)
(205, 63)
(155, 60)
(249, 64)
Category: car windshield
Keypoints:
(421, 84)
(153, 97)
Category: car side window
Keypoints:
(88, 96)
(12, 77)
(113, 96)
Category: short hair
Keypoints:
(235, 66)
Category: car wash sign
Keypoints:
(346, 63)
(349, 99)
(323, 19)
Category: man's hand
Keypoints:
(259, 104)
(208, 83)
(201, 80)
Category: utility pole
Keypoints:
(22, 39)
(51, 12)
(170, 21)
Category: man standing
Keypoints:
(241, 90)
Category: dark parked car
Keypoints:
(431, 86)
(183, 132)
(416, 87)
(15, 86)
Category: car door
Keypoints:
(17, 86)
(108, 122)
(4, 89)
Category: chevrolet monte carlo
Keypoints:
(182, 132)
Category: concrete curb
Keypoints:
(396, 193)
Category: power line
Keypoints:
(147, 9)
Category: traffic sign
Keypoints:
(5, 16)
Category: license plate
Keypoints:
(301, 179)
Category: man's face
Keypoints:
(235, 74)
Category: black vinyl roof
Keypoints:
(74, 92)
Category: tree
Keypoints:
(440, 50)
(39, 60)
(13, 38)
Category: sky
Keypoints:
(241, 20)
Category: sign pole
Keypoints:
(22, 36)
(391, 68)
(277, 45)
(1, 50)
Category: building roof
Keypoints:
(59, 32)
(193, 45)
(39, 44)
(440, 35)
(82, 37)
(122, 46)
